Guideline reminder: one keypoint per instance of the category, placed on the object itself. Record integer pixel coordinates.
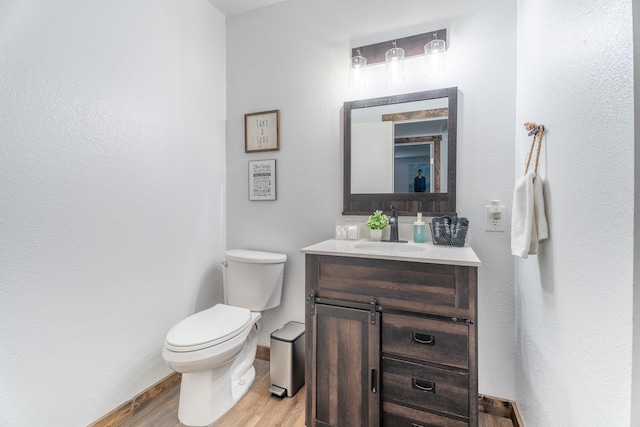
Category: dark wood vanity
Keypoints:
(390, 341)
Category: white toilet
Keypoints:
(215, 348)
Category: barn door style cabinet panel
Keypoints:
(391, 337)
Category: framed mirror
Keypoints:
(401, 150)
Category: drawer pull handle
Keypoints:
(416, 425)
(425, 339)
(426, 386)
(374, 381)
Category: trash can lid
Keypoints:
(289, 332)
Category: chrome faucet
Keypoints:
(393, 222)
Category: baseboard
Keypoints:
(128, 409)
(263, 353)
(500, 408)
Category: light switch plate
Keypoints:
(491, 224)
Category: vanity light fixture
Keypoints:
(394, 60)
(434, 54)
(358, 70)
(392, 54)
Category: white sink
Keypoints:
(392, 248)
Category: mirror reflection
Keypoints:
(401, 150)
(405, 143)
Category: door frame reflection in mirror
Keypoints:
(407, 203)
(419, 144)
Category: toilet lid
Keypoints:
(209, 327)
(254, 257)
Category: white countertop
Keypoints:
(412, 252)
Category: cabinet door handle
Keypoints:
(425, 339)
(426, 386)
(374, 381)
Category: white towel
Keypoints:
(522, 216)
(540, 229)
(529, 222)
(538, 209)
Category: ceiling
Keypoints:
(231, 7)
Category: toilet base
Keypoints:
(241, 387)
(205, 396)
(196, 409)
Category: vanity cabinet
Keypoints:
(390, 342)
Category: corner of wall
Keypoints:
(635, 377)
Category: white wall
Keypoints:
(635, 384)
(112, 176)
(112, 180)
(293, 56)
(574, 301)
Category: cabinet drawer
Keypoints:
(429, 340)
(400, 416)
(411, 286)
(425, 387)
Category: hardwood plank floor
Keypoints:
(257, 408)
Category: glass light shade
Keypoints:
(394, 60)
(357, 71)
(434, 53)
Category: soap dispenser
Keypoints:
(418, 229)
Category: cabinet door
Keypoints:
(345, 368)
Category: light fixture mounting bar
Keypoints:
(412, 45)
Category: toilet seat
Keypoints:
(208, 328)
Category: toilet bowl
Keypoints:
(215, 348)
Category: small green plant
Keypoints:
(378, 221)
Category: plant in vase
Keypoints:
(376, 223)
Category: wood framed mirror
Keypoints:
(388, 141)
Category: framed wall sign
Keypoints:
(262, 131)
(262, 179)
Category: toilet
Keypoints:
(215, 348)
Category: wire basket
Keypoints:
(449, 230)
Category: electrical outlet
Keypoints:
(495, 221)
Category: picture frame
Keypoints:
(262, 131)
(262, 179)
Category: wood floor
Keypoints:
(257, 408)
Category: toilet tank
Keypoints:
(254, 278)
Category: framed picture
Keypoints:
(262, 179)
(262, 131)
